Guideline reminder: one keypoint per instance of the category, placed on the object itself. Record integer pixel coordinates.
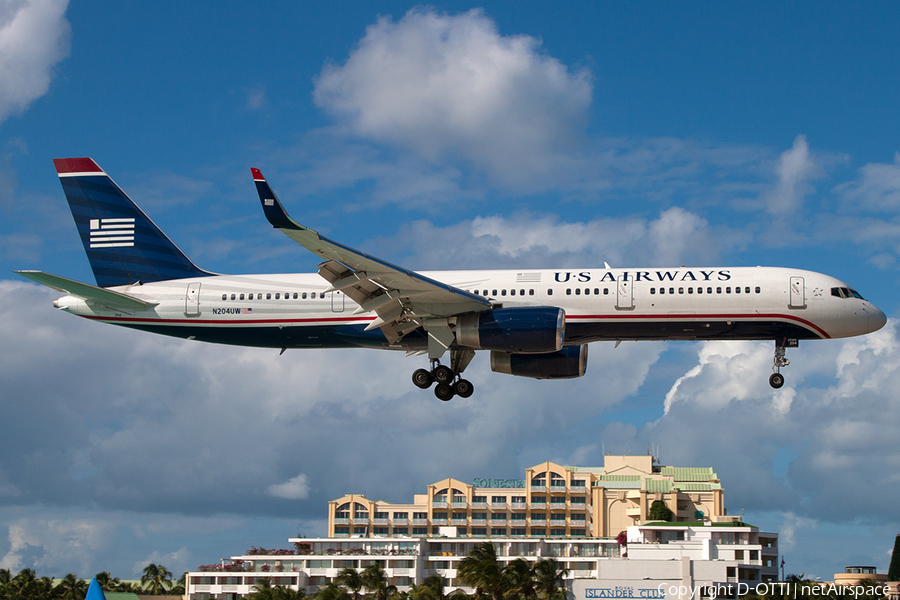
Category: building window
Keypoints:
(498, 531)
(477, 531)
(439, 516)
(401, 530)
(420, 531)
(342, 530)
(578, 532)
(558, 531)
(420, 515)
(359, 530)
(381, 530)
(538, 531)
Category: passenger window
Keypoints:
(549, 292)
(757, 289)
(484, 293)
(747, 290)
(277, 296)
(531, 292)
(690, 290)
(269, 296)
(249, 296)
(596, 291)
(295, 295)
(232, 296)
(312, 295)
(587, 291)
(494, 294)
(671, 290)
(568, 291)
(606, 291)
(502, 292)
(737, 290)
(242, 296)
(303, 296)
(680, 290)
(521, 292)
(727, 290)
(577, 291)
(662, 290)
(699, 290)
(652, 291)
(718, 290)
(512, 292)
(224, 296)
(709, 290)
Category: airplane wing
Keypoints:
(401, 298)
(86, 291)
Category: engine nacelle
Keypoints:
(567, 363)
(523, 329)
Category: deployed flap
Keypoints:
(397, 295)
(86, 291)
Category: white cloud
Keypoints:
(876, 188)
(295, 488)
(34, 36)
(796, 167)
(451, 86)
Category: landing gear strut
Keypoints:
(449, 382)
(776, 379)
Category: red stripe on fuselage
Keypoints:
(695, 317)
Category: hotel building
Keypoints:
(572, 514)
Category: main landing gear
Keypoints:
(449, 384)
(776, 379)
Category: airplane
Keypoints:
(536, 323)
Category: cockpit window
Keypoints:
(842, 292)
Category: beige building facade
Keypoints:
(551, 501)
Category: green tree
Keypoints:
(659, 511)
(481, 570)
(71, 588)
(519, 580)
(431, 588)
(156, 577)
(351, 580)
(332, 591)
(894, 569)
(376, 582)
(550, 576)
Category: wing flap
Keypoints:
(86, 291)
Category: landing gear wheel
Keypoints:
(776, 380)
(443, 374)
(422, 379)
(443, 391)
(463, 388)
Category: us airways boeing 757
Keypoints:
(535, 323)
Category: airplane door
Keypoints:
(624, 294)
(337, 301)
(192, 300)
(798, 293)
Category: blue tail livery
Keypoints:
(122, 244)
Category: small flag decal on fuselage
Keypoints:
(112, 233)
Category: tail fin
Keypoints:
(122, 244)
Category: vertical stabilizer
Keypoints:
(122, 244)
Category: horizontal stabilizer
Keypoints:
(86, 291)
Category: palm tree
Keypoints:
(332, 591)
(550, 579)
(431, 588)
(350, 579)
(481, 570)
(71, 588)
(374, 580)
(520, 580)
(156, 577)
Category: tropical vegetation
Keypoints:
(26, 585)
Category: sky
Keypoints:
(453, 135)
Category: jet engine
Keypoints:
(567, 363)
(525, 329)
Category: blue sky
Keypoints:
(453, 135)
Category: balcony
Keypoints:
(517, 522)
(578, 489)
(538, 488)
(479, 505)
(479, 522)
(578, 522)
(380, 521)
(540, 522)
(459, 504)
(439, 504)
(538, 505)
(342, 521)
(462, 522)
(498, 505)
(498, 521)
(401, 521)
(557, 489)
(633, 512)
(420, 521)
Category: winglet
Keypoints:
(95, 592)
(272, 208)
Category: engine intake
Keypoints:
(567, 363)
(525, 329)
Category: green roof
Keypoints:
(699, 487)
(620, 478)
(689, 473)
(658, 486)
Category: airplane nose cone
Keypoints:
(877, 319)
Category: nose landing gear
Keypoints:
(776, 379)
